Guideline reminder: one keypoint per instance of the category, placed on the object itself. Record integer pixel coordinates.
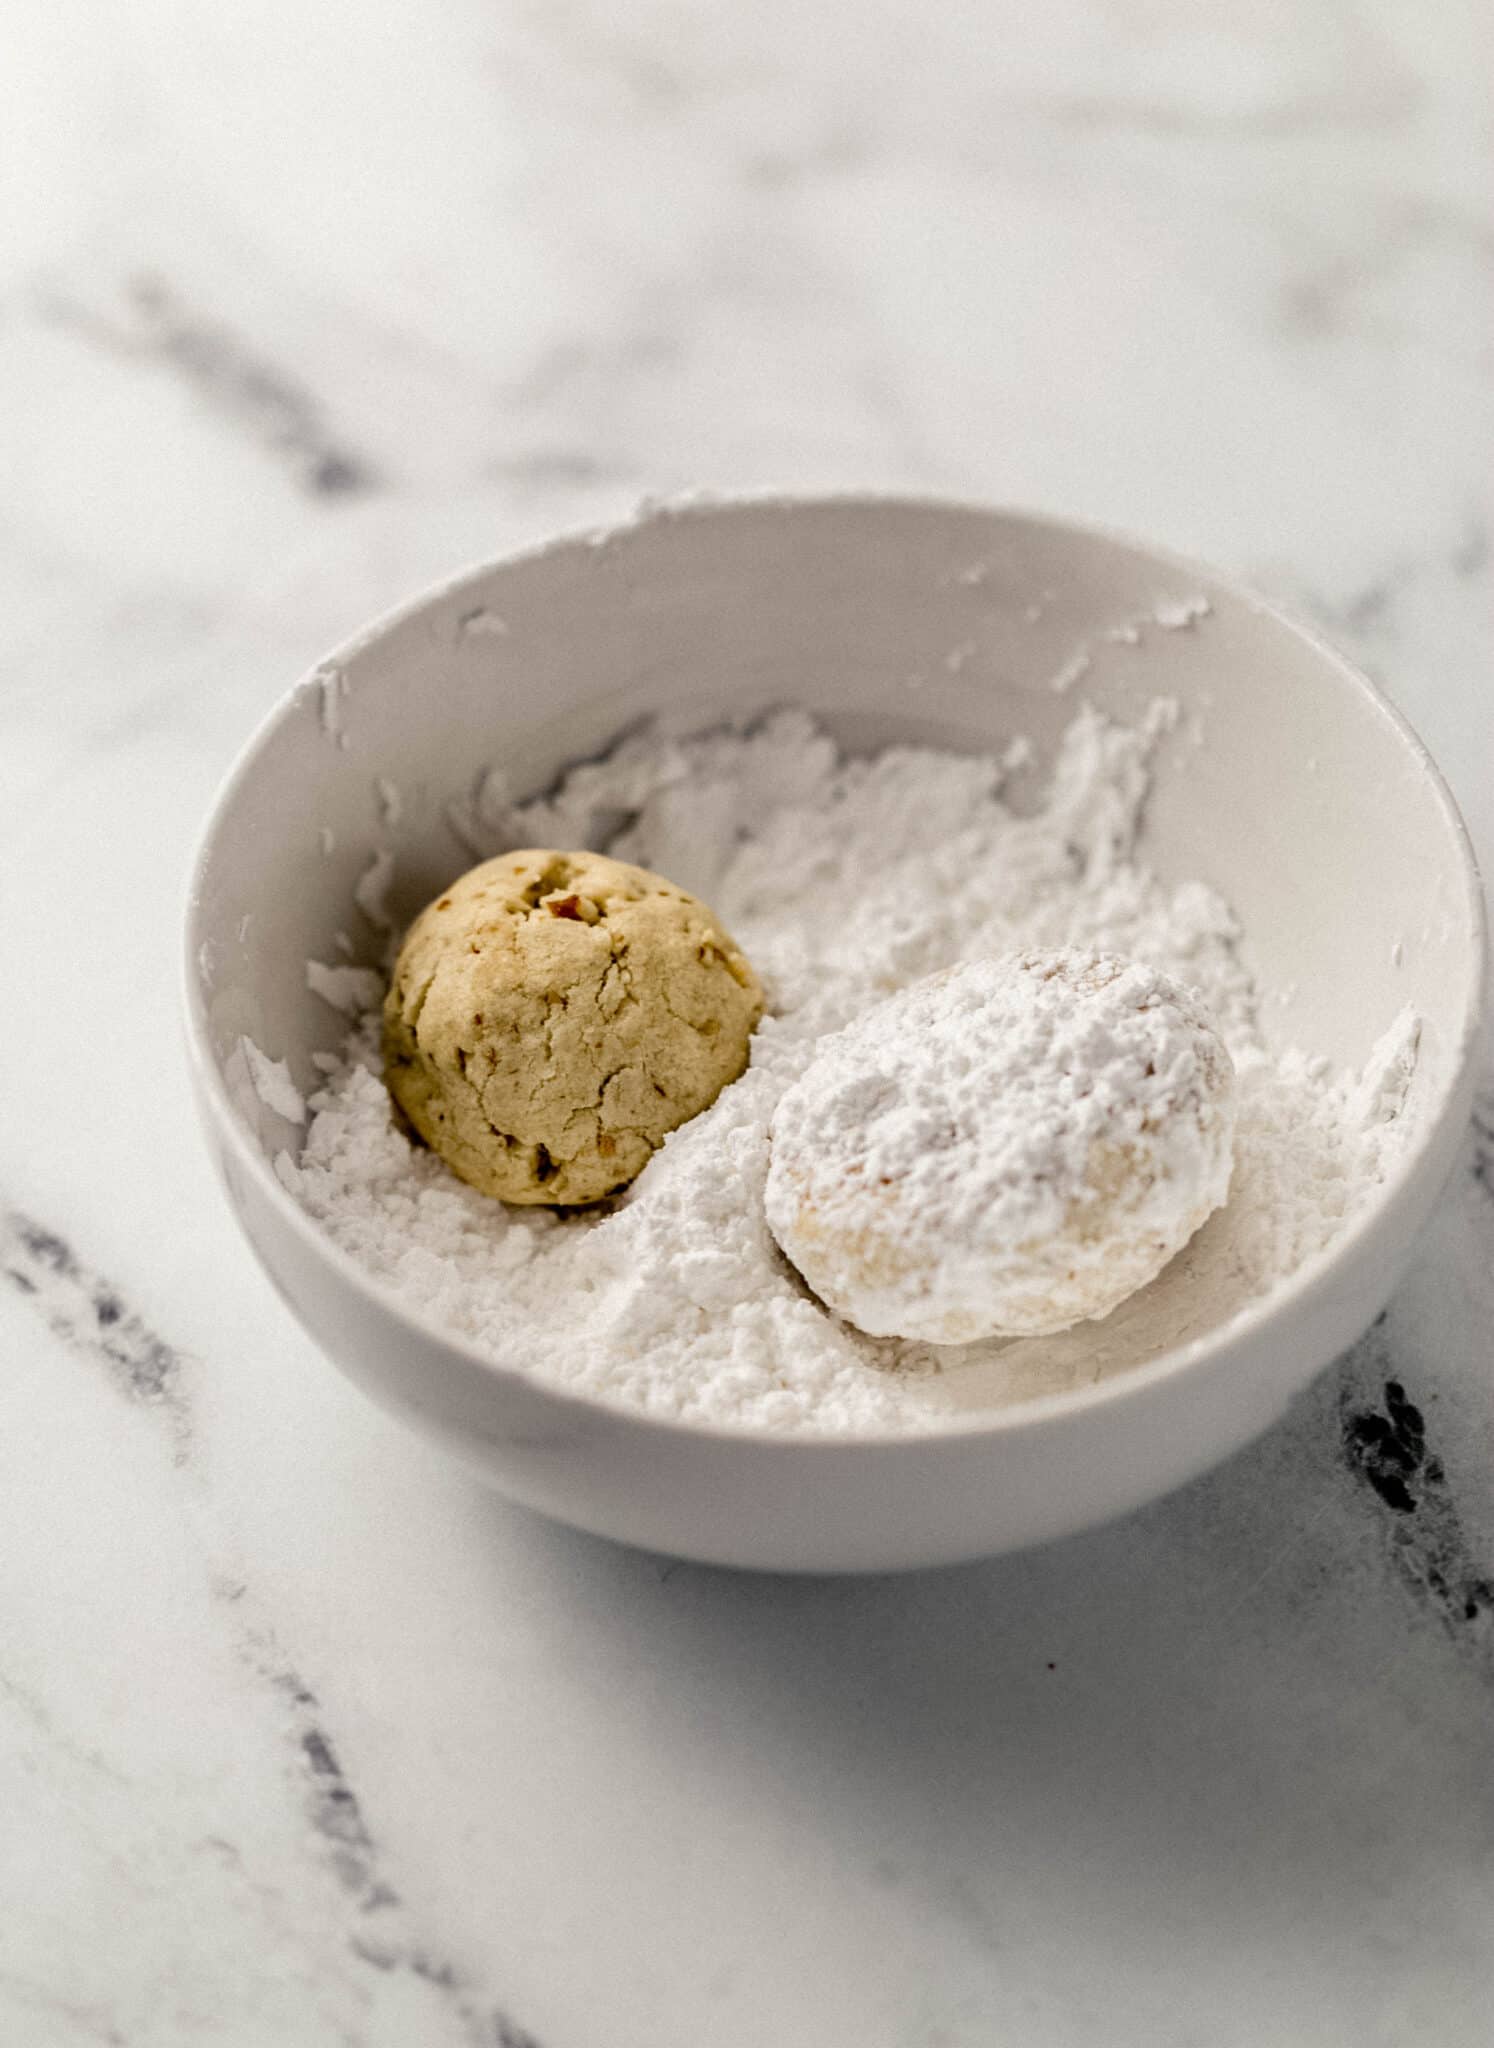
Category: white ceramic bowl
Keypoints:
(1309, 804)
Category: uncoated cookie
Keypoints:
(553, 1015)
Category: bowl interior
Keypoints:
(1285, 782)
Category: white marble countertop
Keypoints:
(305, 1738)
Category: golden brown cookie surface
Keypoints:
(553, 1015)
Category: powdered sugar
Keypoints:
(1003, 1149)
(353, 990)
(844, 881)
(273, 1084)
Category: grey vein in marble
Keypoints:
(1386, 1445)
(88, 1315)
(1483, 1144)
(382, 1935)
(228, 375)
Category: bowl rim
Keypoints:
(1312, 1279)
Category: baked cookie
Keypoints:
(1003, 1149)
(553, 1015)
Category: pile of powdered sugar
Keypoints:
(843, 880)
